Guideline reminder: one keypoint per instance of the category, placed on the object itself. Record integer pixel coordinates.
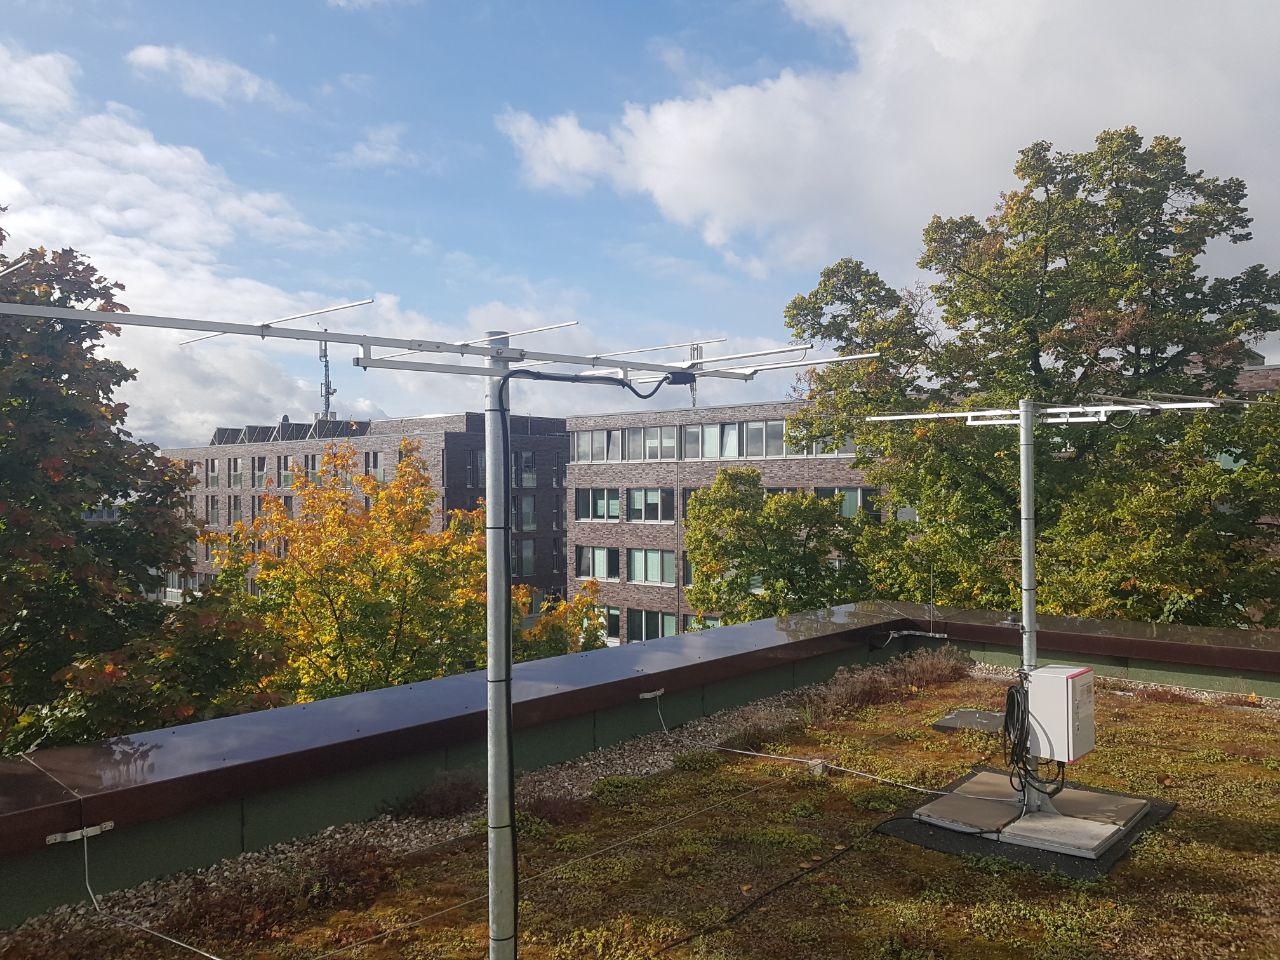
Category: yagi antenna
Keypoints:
(296, 316)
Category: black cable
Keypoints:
(752, 903)
(1015, 736)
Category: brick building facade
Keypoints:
(629, 478)
(241, 464)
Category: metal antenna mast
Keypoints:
(695, 354)
(327, 389)
(498, 357)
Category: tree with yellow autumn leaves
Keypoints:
(353, 580)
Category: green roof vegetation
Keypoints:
(730, 856)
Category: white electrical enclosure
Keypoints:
(1060, 702)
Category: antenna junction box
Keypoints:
(1060, 702)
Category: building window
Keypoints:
(635, 443)
(755, 438)
(651, 504)
(284, 471)
(524, 471)
(597, 445)
(709, 443)
(208, 551)
(522, 558)
(854, 500)
(558, 477)
(258, 467)
(650, 624)
(557, 556)
(596, 503)
(235, 474)
(211, 512)
(692, 442)
(234, 512)
(373, 465)
(475, 469)
(775, 432)
(288, 506)
(730, 449)
(598, 562)
(686, 570)
(651, 566)
(668, 436)
(524, 518)
(612, 622)
(211, 473)
(774, 491)
(690, 619)
(311, 465)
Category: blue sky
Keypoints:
(654, 170)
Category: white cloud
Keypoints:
(560, 153)
(208, 78)
(382, 146)
(37, 85)
(806, 166)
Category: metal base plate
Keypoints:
(1085, 824)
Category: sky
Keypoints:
(658, 171)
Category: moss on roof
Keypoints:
(1205, 883)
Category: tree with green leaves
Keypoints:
(756, 555)
(1087, 280)
(76, 610)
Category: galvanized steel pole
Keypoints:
(1026, 463)
(501, 819)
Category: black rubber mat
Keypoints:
(904, 827)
